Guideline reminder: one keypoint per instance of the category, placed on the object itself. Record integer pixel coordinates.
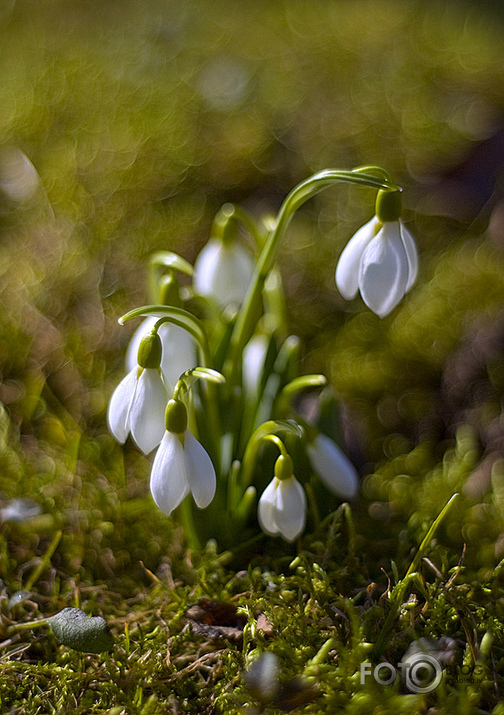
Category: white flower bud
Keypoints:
(222, 272)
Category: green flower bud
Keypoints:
(176, 417)
(75, 629)
(149, 352)
(284, 467)
(388, 206)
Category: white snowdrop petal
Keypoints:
(205, 267)
(333, 467)
(134, 344)
(147, 415)
(412, 255)
(254, 355)
(347, 270)
(238, 275)
(290, 508)
(119, 406)
(266, 511)
(168, 482)
(383, 273)
(223, 272)
(179, 352)
(199, 470)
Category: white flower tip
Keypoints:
(333, 467)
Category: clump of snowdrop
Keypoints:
(380, 260)
(207, 385)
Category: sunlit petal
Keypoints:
(266, 511)
(168, 481)
(119, 406)
(205, 267)
(147, 415)
(347, 270)
(254, 355)
(223, 272)
(383, 273)
(290, 508)
(200, 471)
(179, 352)
(333, 467)
(412, 255)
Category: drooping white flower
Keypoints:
(178, 349)
(181, 466)
(380, 260)
(333, 466)
(138, 403)
(282, 508)
(222, 271)
(138, 406)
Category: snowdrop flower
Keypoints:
(380, 260)
(139, 401)
(254, 357)
(223, 271)
(333, 466)
(178, 353)
(282, 506)
(181, 464)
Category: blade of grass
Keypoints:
(397, 594)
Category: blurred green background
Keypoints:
(124, 126)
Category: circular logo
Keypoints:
(422, 673)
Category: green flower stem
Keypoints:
(228, 213)
(186, 517)
(163, 261)
(210, 413)
(188, 378)
(266, 430)
(247, 317)
(278, 442)
(294, 387)
(383, 173)
(313, 506)
(274, 301)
